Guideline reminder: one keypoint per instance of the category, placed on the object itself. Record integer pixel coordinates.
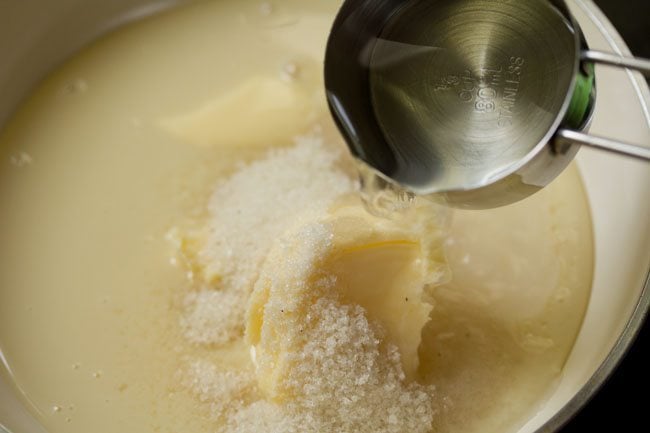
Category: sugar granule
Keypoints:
(213, 316)
(225, 391)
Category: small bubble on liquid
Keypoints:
(76, 366)
(561, 294)
(268, 16)
(56, 409)
(21, 159)
(75, 87)
(289, 71)
(98, 374)
(266, 9)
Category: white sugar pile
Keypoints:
(213, 316)
(262, 200)
(226, 392)
(347, 381)
(248, 212)
(343, 377)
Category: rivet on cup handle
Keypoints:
(576, 137)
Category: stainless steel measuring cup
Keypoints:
(482, 102)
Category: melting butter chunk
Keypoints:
(383, 266)
(263, 109)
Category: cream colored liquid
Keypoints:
(90, 183)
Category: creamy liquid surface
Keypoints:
(98, 166)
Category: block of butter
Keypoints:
(385, 266)
(263, 109)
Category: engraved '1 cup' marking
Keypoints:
(489, 90)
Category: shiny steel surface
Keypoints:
(465, 90)
(462, 98)
(461, 94)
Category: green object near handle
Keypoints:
(581, 103)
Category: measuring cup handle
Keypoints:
(636, 63)
(619, 147)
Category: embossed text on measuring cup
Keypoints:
(489, 89)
